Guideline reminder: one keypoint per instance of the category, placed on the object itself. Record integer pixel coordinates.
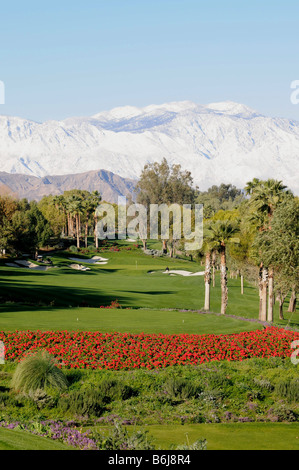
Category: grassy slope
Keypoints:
(11, 439)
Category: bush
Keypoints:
(263, 384)
(120, 439)
(181, 389)
(288, 389)
(282, 413)
(42, 399)
(73, 249)
(218, 380)
(86, 403)
(38, 372)
(197, 445)
(74, 376)
(111, 390)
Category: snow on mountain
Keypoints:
(223, 142)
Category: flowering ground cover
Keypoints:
(126, 351)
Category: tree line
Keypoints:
(255, 232)
(25, 226)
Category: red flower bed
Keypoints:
(128, 351)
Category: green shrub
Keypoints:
(218, 380)
(73, 376)
(4, 397)
(282, 413)
(197, 445)
(82, 403)
(288, 389)
(255, 395)
(73, 249)
(111, 390)
(120, 439)
(7, 399)
(181, 389)
(42, 399)
(263, 384)
(38, 372)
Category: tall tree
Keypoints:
(161, 183)
(222, 234)
(265, 197)
(279, 247)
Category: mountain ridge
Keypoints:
(109, 185)
(223, 142)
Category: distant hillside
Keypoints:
(109, 185)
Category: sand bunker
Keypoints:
(184, 273)
(79, 267)
(94, 260)
(27, 264)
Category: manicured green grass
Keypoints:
(245, 436)
(11, 439)
(235, 436)
(137, 281)
(121, 320)
(126, 278)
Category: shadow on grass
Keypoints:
(151, 292)
(55, 271)
(39, 295)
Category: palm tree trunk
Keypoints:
(207, 281)
(223, 274)
(213, 265)
(260, 283)
(271, 296)
(264, 294)
(144, 244)
(96, 240)
(78, 231)
(86, 234)
(164, 247)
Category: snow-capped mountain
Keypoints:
(222, 142)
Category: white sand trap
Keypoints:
(79, 267)
(94, 260)
(184, 273)
(131, 240)
(28, 264)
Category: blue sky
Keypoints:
(72, 58)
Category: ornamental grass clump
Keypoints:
(38, 371)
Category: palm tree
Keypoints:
(209, 248)
(75, 210)
(89, 204)
(60, 204)
(222, 233)
(265, 197)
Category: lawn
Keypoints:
(11, 439)
(135, 279)
(121, 320)
(245, 436)
(151, 302)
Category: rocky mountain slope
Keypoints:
(109, 185)
(219, 143)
